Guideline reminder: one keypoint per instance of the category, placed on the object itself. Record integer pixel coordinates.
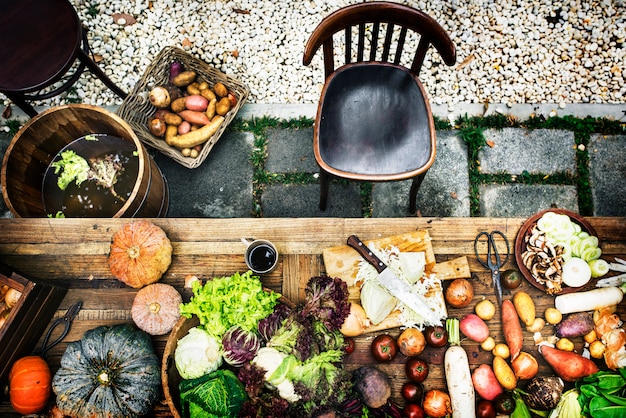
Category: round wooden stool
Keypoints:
(41, 41)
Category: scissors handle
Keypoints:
(492, 250)
(66, 320)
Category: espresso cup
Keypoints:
(261, 255)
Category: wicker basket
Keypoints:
(137, 109)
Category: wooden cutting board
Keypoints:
(343, 262)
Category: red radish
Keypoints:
(474, 328)
(485, 382)
(568, 365)
(458, 375)
(511, 328)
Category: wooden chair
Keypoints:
(44, 51)
(374, 121)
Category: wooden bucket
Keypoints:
(38, 142)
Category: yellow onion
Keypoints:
(356, 322)
(437, 403)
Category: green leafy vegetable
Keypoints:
(72, 167)
(218, 394)
(224, 302)
(603, 394)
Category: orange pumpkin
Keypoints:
(140, 253)
(156, 308)
(29, 384)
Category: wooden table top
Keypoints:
(73, 253)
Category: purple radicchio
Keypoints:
(269, 325)
(240, 346)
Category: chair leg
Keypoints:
(415, 186)
(22, 104)
(97, 71)
(324, 180)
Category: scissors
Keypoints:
(493, 261)
(66, 321)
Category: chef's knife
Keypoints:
(395, 285)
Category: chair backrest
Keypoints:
(368, 20)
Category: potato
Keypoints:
(208, 94)
(170, 132)
(223, 106)
(203, 85)
(193, 89)
(525, 307)
(196, 102)
(575, 325)
(157, 127)
(210, 109)
(184, 79)
(172, 119)
(220, 89)
(162, 96)
(178, 105)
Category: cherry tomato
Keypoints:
(436, 336)
(384, 348)
(413, 392)
(485, 409)
(413, 410)
(348, 345)
(511, 279)
(504, 403)
(416, 369)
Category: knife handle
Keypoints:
(366, 253)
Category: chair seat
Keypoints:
(374, 121)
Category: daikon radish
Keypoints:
(458, 375)
(588, 301)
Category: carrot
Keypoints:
(458, 375)
(511, 328)
(193, 117)
(568, 365)
(197, 137)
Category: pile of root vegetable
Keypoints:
(189, 111)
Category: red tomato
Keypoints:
(413, 410)
(436, 336)
(413, 392)
(485, 409)
(416, 369)
(348, 345)
(384, 348)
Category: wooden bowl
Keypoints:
(520, 247)
(170, 378)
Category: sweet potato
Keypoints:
(485, 382)
(193, 117)
(525, 307)
(568, 365)
(474, 328)
(197, 137)
(170, 132)
(505, 375)
(575, 325)
(511, 328)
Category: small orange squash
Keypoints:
(140, 253)
(29, 384)
(156, 308)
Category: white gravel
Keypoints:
(511, 51)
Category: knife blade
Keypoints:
(394, 284)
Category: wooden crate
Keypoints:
(137, 109)
(28, 319)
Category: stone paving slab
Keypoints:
(444, 191)
(517, 150)
(290, 151)
(302, 200)
(523, 200)
(221, 187)
(607, 174)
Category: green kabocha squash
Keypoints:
(111, 372)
